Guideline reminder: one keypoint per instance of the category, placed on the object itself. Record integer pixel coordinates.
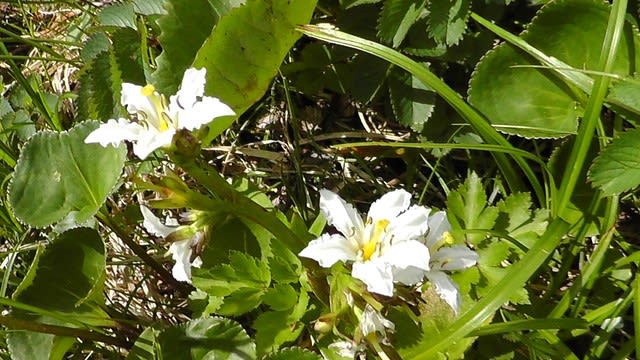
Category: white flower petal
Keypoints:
(191, 88)
(408, 253)
(438, 225)
(340, 214)
(411, 224)
(376, 274)
(181, 254)
(114, 132)
(329, 249)
(150, 140)
(454, 258)
(389, 205)
(346, 349)
(154, 225)
(445, 288)
(203, 112)
(133, 99)
(372, 322)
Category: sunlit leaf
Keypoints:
(617, 168)
(242, 282)
(206, 338)
(194, 17)
(57, 173)
(533, 102)
(246, 48)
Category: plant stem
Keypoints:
(21, 324)
(240, 205)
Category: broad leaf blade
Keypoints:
(246, 48)
(534, 102)
(196, 18)
(57, 173)
(65, 278)
(206, 338)
(396, 18)
(448, 20)
(411, 100)
(617, 168)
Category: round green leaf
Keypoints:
(534, 102)
(57, 173)
(206, 338)
(67, 273)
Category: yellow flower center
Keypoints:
(158, 102)
(371, 246)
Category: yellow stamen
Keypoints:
(447, 238)
(148, 90)
(370, 248)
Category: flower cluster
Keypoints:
(154, 121)
(396, 243)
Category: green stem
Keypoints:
(581, 146)
(240, 205)
(28, 325)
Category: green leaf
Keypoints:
(626, 93)
(206, 338)
(57, 173)
(534, 102)
(246, 48)
(285, 265)
(100, 85)
(242, 283)
(149, 7)
(447, 20)
(281, 297)
(519, 221)
(411, 100)
(617, 168)
(396, 18)
(24, 345)
(66, 278)
(469, 204)
(127, 56)
(294, 353)
(194, 17)
(67, 274)
(273, 329)
(118, 15)
(144, 348)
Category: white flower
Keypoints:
(155, 121)
(446, 258)
(181, 251)
(384, 249)
(345, 349)
(373, 322)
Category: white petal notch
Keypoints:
(384, 249)
(153, 122)
(181, 251)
